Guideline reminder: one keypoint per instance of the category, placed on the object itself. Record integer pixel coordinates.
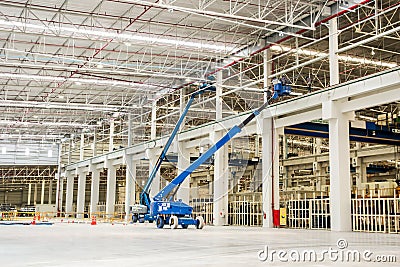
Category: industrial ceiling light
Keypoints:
(372, 52)
(77, 81)
(314, 53)
(100, 66)
(118, 37)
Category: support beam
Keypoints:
(82, 147)
(267, 158)
(339, 163)
(35, 192)
(111, 141)
(152, 154)
(267, 67)
(183, 163)
(94, 144)
(220, 212)
(153, 126)
(29, 193)
(130, 185)
(183, 158)
(50, 200)
(94, 190)
(218, 98)
(59, 193)
(333, 48)
(42, 192)
(111, 188)
(80, 202)
(275, 170)
(69, 194)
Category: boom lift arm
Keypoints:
(144, 195)
(175, 183)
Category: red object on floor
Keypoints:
(93, 220)
(34, 220)
(276, 220)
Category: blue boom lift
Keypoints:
(163, 209)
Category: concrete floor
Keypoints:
(144, 245)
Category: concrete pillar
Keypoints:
(70, 151)
(35, 191)
(361, 171)
(130, 185)
(153, 129)
(267, 67)
(275, 143)
(218, 98)
(82, 147)
(183, 162)
(50, 192)
(69, 194)
(333, 48)
(220, 212)
(42, 192)
(194, 190)
(339, 163)
(29, 193)
(80, 201)
(111, 142)
(317, 146)
(267, 157)
(59, 193)
(94, 145)
(111, 188)
(94, 190)
(130, 133)
(153, 154)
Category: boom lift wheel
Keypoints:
(200, 222)
(134, 218)
(160, 222)
(173, 222)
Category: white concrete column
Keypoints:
(339, 163)
(153, 154)
(275, 143)
(333, 48)
(183, 162)
(130, 133)
(218, 98)
(29, 193)
(153, 129)
(130, 185)
(94, 144)
(267, 187)
(50, 200)
(59, 193)
(82, 147)
(80, 201)
(94, 189)
(35, 192)
(220, 212)
(267, 67)
(42, 192)
(111, 141)
(69, 194)
(111, 188)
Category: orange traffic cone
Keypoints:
(93, 220)
(34, 220)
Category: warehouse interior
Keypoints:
(91, 93)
